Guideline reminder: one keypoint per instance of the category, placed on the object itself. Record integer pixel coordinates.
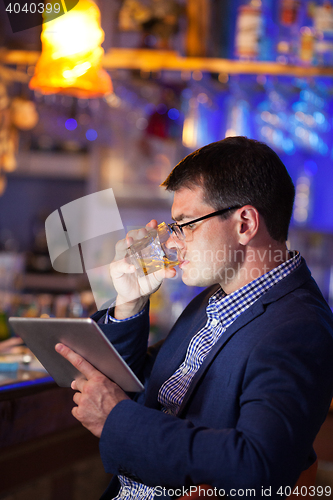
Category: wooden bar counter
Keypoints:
(45, 452)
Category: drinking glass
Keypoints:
(157, 250)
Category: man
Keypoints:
(237, 392)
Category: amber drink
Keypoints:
(157, 250)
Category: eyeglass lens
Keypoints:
(178, 231)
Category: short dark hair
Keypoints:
(240, 171)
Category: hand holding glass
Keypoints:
(157, 250)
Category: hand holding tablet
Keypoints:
(84, 337)
(96, 395)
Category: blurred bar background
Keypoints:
(184, 73)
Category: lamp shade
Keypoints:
(71, 58)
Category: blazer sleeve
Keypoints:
(130, 338)
(283, 401)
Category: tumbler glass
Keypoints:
(157, 250)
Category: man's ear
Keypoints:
(248, 224)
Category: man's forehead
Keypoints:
(188, 203)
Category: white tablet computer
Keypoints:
(85, 338)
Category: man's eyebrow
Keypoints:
(181, 217)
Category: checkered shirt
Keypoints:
(222, 311)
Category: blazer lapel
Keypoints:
(164, 366)
(162, 371)
(287, 285)
(170, 361)
(242, 320)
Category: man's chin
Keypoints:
(186, 279)
(189, 280)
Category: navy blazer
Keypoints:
(253, 409)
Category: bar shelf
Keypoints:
(151, 60)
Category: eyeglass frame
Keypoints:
(213, 214)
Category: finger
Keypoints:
(121, 249)
(137, 234)
(121, 267)
(121, 246)
(77, 397)
(129, 241)
(170, 272)
(78, 384)
(81, 364)
(152, 224)
(75, 413)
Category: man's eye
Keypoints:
(191, 226)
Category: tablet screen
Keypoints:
(85, 338)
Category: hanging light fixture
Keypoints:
(71, 58)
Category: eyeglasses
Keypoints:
(177, 229)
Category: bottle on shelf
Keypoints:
(256, 29)
(249, 24)
(267, 46)
(306, 46)
(323, 26)
(306, 43)
(289, 20)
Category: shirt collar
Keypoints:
(251, 292)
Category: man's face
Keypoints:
(209, 254)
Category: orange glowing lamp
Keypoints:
(71, 58)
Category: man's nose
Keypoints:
(174, 242)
